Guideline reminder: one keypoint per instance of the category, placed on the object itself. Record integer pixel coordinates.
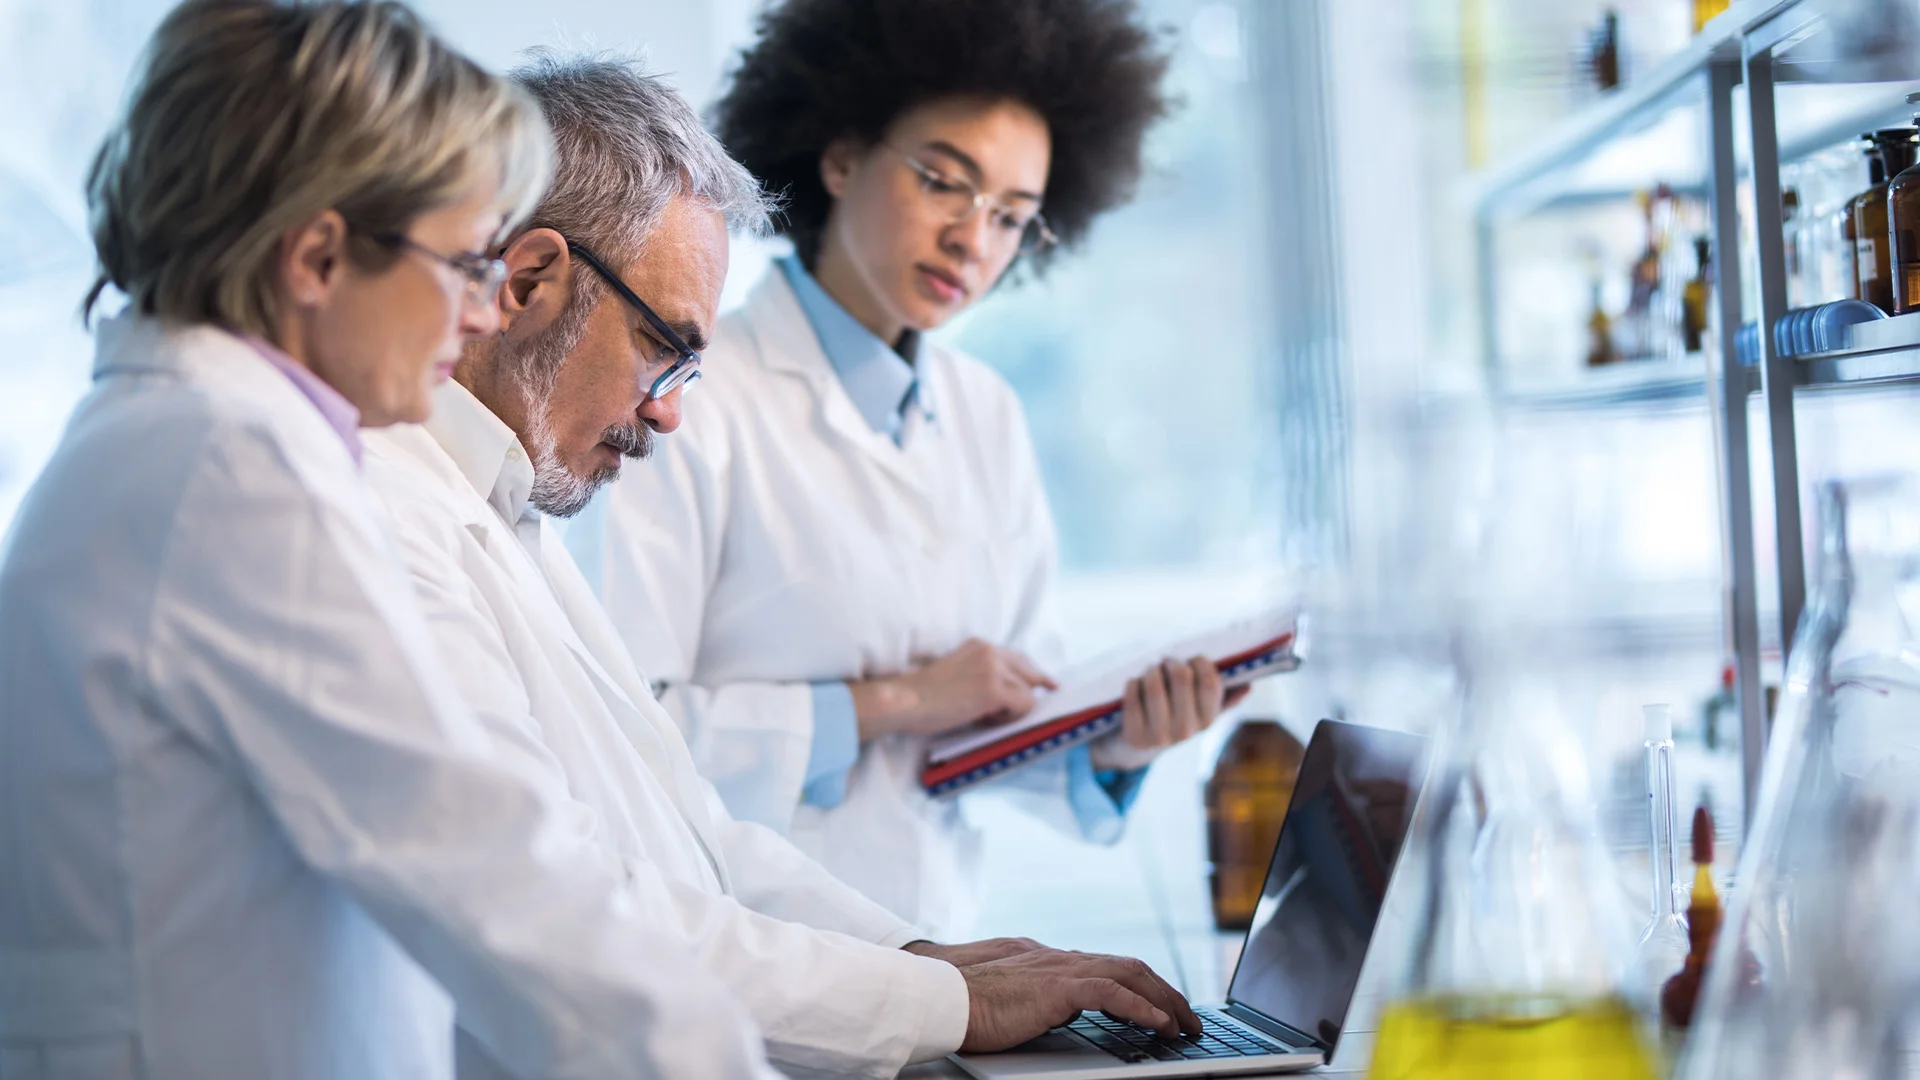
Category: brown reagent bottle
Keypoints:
(1873, 235)
(1677, 998)
(1903, 221)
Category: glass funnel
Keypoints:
(1817, 969)
(1521, 953)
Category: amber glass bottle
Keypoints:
(1903, 225)
(1695, 297)
(1872, 234)
(1247, 798)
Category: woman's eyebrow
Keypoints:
(970, 166)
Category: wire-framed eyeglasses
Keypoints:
(686, 366)
(482, 276)
(957, 199)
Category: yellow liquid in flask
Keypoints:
(1474, 1038)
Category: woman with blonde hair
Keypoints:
(247, 828)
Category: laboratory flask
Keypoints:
(1817, 970)
(1521, 953)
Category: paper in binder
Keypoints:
(1087, 705)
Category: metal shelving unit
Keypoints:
(1761, 46)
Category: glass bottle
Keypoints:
(1817, 970)
(1695, 297)
(1872, 238)
(1247, 798)
(1600, 348)
(1663, 942)
(1680, 995)
(1790, 228)
(1519, 958)
(1903, 225)
(1850, 217)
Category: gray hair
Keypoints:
(627, 144)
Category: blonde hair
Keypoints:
(249, 117)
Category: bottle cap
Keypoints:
(1702, 836)
(1659, 721)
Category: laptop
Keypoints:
(1300, 962)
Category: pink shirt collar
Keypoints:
(335, 409)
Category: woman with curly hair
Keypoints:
(848, 550)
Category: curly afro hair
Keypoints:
(823, 69)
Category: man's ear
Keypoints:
(539, 278)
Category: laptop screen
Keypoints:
(1337, 847)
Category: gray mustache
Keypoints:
(631, 440)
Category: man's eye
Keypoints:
(941, 185)
(1009, 222)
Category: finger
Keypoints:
(1025, 668)
(1136, 976)
(1206, 689)
(1014, 695)
(1015, 946)
(1235, 696)
(1184, 716)
(1133, 716)
(1159, 709)
(1117, 1001)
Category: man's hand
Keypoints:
(1020, 997)
(1169, 703)
(974, 952)
(977, 681)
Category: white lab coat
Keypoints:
(776, 539)
(247, 829)
(818, 965)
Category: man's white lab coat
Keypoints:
(777, 539)
(247, 828)
(818, 965)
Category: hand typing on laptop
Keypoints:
(1022, 996)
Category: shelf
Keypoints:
(1650, 132)
(1885, 351)
(1630, 382)
(1527, 178)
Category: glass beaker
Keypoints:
(1817, 970)
(1519, 965)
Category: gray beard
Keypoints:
(557, 491)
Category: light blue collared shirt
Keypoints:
(882, 382)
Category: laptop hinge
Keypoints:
(1292, 1036)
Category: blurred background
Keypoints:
(1400, 322)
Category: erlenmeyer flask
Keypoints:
(1521, 951)
(1817, 970)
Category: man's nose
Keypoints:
(661, 414)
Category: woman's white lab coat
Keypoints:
(776, 539)
(246, 827)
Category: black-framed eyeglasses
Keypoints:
(483, 275)
(686, 366)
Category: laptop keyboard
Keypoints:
(1220, 1038)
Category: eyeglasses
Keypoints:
(686, 367)
(957, 199)
(483, 276)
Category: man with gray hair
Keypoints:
(612, 289)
